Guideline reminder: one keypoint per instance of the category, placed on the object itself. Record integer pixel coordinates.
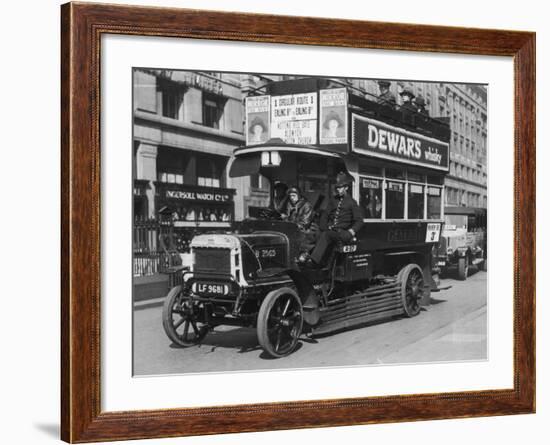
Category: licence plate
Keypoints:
(441, 263)
(210, 288)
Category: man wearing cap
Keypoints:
(341, 221)
(421, 105)
(407, 96)
(298, 209)
(386, 97)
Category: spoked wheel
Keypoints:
(280, 322)
(463, 268)
(412, 288)
(181, 318)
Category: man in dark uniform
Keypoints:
(386, 97)
(341, 221)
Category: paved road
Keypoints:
(453, 327)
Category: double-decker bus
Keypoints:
(304, 132)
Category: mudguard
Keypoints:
(308, 296)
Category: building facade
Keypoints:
(186, 126)
(465, 105)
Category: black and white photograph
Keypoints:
(286, 221)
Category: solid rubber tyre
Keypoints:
(178, 305)
(280, 322)
(412, 288)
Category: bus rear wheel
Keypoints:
(412, 288)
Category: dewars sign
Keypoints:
(378, 139)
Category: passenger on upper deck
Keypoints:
(421, 105)
(408, 97)
(341, 221)
(386, 97)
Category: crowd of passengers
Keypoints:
(411, 103)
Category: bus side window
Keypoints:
(370, 197)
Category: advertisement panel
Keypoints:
(333, 118)
(378, 139)
(257, 119)
(294, 118)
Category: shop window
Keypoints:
(171, 165)
(201, 213)
(208, 182)
(434, 202)
(211, 171)
(395, 200)
(171, 178)
(212, 110)
(370, 199)
(415, 201)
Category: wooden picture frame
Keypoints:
(82, 26)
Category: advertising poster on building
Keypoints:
(333, 116)
(257, 120)
(294, 118)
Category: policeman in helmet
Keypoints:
(340, 222)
